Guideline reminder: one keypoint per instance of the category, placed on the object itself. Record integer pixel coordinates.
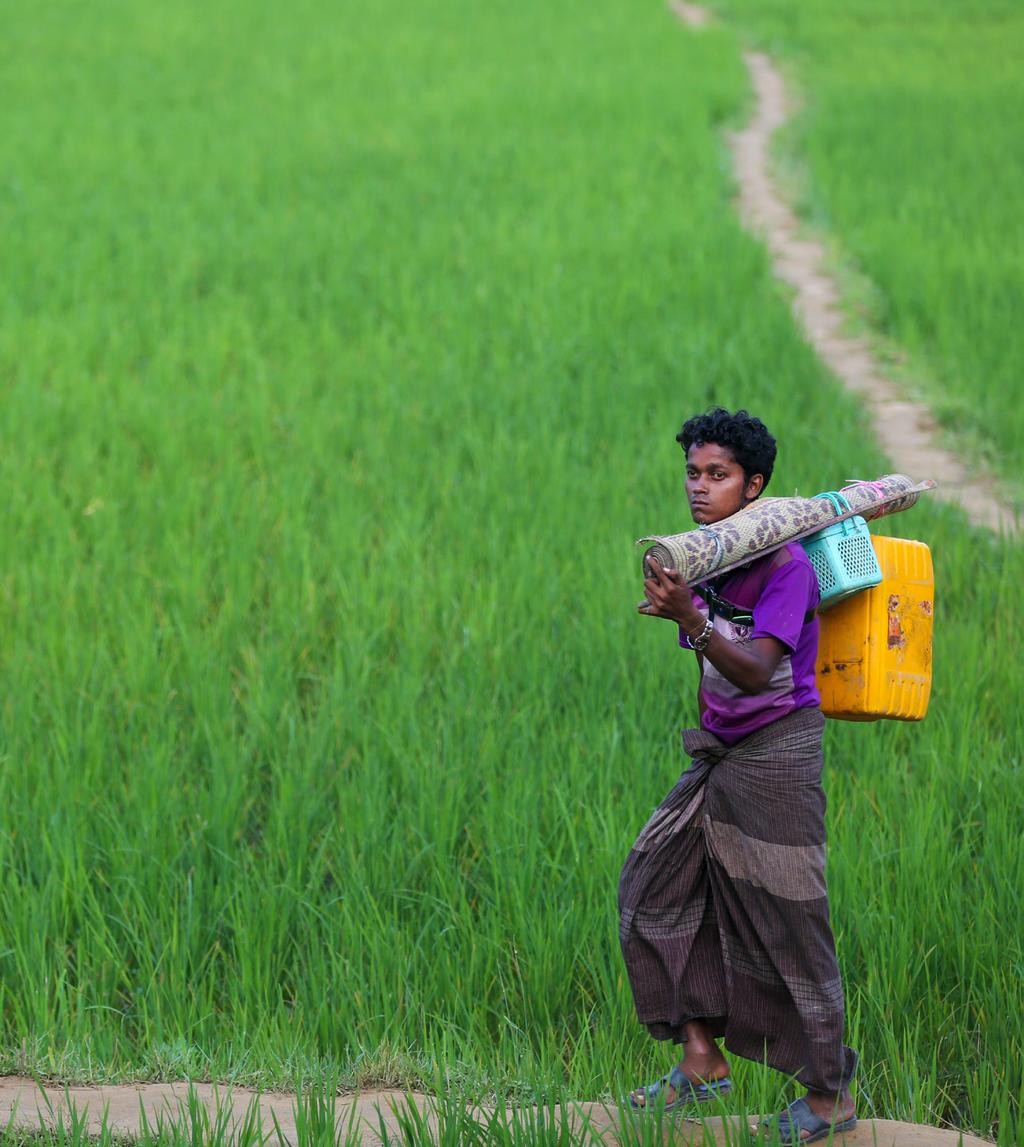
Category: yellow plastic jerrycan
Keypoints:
(875, 649)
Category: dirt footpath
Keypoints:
(905, 429)
(123, 1109)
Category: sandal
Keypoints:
(687, 1092)
(799, 1117)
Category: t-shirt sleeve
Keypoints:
(790, 592)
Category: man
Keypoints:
(723, 907)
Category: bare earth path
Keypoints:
(905, 429)
(120, 1107)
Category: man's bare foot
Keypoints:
(702, 1062)
(831, 1108)
(816, 1116)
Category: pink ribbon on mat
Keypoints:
(879, 489)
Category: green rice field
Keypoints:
(911, 139)
(342, 352)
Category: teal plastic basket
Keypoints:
(843, 557)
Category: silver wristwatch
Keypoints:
(700, 642)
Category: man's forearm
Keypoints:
(749, 667)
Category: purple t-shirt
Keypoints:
(779, 593)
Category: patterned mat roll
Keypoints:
(769, 523)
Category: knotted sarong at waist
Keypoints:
(724, 909)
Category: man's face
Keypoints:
(715, 483)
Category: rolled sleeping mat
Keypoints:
(770, 523)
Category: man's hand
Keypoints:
(667, 595)
(749, 666)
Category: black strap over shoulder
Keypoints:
(718, 606)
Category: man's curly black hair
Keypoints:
(747, 437)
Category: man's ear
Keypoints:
(754, 487)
